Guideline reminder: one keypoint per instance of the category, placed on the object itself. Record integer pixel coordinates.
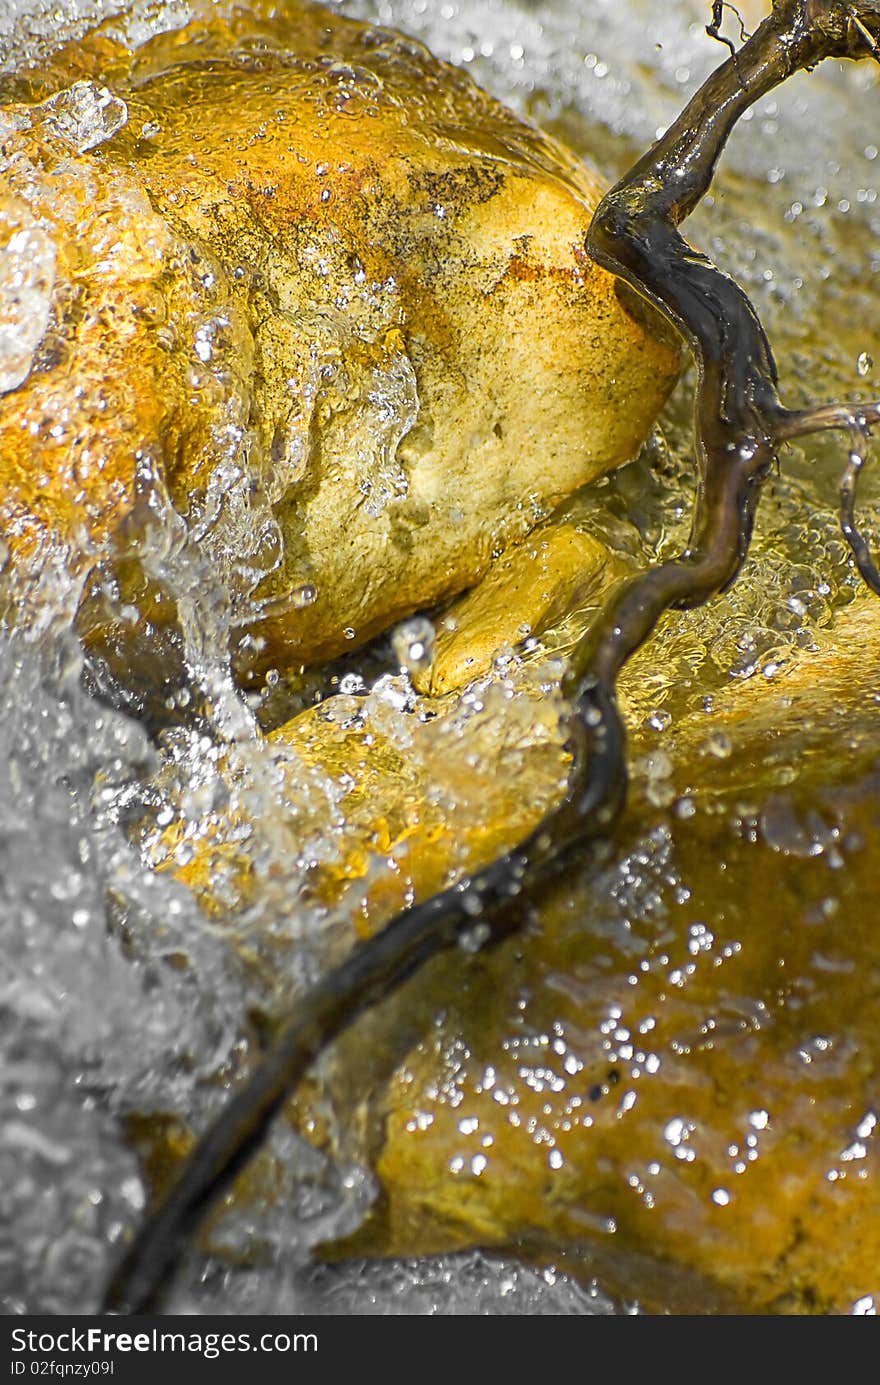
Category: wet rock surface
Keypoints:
(321, 298)
(673, 1073)
(669, 1078)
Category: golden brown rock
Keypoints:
(561, 570)
(685, 1100)
(681, 1099)
(387, 796)
(323, 295)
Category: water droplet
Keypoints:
(864, 363)
(676, 1131)
(303, 596)
(719, 744)
(413, 645)
(133, 1192)
(351, 683)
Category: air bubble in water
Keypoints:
(864, 363)
(472, 939)
(304, 596)
(352, 683)
(413, 645)
(719, 745)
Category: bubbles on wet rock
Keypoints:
(392, 409)
(677, 1133)
(777, 608)
(656, 768)
(718, 744)
(351, 683)
(472, 939)
(85, 115)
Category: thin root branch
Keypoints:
(740, 424)
(857, 420)
(713, 29)
(848, 485)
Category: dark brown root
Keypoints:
(857, 421)
(713, 28)
(848, 483)
(740, 425)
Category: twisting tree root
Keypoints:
(740, 425)
(713, 28)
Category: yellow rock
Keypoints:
(680, 1099)
(370, 803)
(314, 292)
(559, 571)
